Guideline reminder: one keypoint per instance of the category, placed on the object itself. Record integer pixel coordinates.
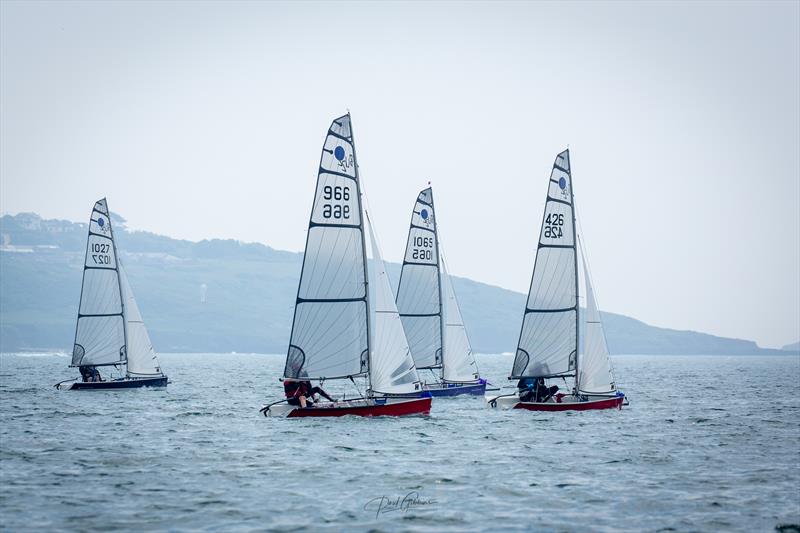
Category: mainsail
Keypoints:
(419, 292)
(329, 336)
(458, 363)
(549, 336)
(142, 360)
(595, 375)
(100, 336)
(392, 369)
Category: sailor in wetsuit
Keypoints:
(534, 390)
(89, 374)
(301, 392)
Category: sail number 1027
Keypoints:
(333, 210)
(100, 253)
(553, 225)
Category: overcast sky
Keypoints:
(202, 120)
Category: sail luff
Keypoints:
(439, 284)
(119, 286)
(370, 339)
(575, 263)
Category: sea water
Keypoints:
(707, 443)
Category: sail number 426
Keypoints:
(336, 210)
(553, 226)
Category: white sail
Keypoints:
(458, 362)
(548, 338)
(100, 332)
(392, 369)
(142, 360)
(329, 334)
(419, 292)
(595, 375)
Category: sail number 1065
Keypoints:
(553, 225)
(336, 210)
(420, 245)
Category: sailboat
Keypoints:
(346, 325)
(429, 309)
(549, 346)
(110, 332)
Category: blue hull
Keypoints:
(457, 389)
(120, 384)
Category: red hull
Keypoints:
(417, 406)
(611, 403)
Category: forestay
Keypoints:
(142, 360)
(329, 336)
(458, 363)
(419, 291)
(548, 338)
(100, 331)
(595, 375)
(392, 369)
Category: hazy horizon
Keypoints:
(205, 120)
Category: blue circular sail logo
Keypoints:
(562, 183)
(339, 153)
(424, 214)
(101, 222)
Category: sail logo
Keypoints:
(343, 161)
(425, 215)
(102, 223)
(562, 184)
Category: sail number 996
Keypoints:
(420, 245)
(553, 225)
(100, 254)
(332, 210)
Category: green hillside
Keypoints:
(249, 296)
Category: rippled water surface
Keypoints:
(708, 443)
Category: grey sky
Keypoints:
(206, 120)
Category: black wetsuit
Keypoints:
(535, 390)
(295, 389)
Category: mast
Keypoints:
(363, 253)
(119, 285)
(439, 278)
(575, 257)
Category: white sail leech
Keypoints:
(100, 330)
(142, 360)
(595, 374)
(392, 368)
(419, 291)
(458, 363)
(548, 337)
